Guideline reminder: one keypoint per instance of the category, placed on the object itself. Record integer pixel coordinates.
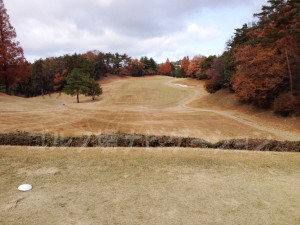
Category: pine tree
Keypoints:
(77, 83)
(153, 64)
(94, 89)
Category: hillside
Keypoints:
(154, 105)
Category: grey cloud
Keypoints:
(51, 27)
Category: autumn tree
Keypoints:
(90, 55)
(13, 66)
(185, 65)
(279, 25)
(165, 68)
(215, 75)
(267, 55)
(77, 83)
(195, 66)
(205, 65)
(261, 74)
(285, 104)
(136, 68)
(59, 80)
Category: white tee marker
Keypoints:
(25, 187)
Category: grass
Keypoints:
(148, 186)
(221, 100)
(151, 105)
(152, 93)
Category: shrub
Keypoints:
(136, 140)
(212, 86)
(179, 72)
(202, 76)
(285, 104)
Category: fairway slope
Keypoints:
(152, 105)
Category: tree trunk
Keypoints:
(77, 97)
(6, 78)
(93, 98)
(288, 62)
(6, 84)
(290, 71)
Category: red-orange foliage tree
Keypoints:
(185, 65)
(59, 79)
(280, 23)
(261, 72)
(268, 62)
(285, 104)
(165, 68)
(91, 55)
(195, 66)
(13, 66)
(136, 68)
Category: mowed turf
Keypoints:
(148, 186)
(154, 105)
(148, 92)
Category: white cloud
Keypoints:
(203, 33)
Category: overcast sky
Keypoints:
(155, 28)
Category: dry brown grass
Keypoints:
(148, 186)
(151, 105)
(225, 101)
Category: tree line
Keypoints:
(261, 64)
(49, 75)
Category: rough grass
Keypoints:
(223, 99)
(148, 186)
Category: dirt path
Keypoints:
(196, 94)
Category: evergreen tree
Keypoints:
(89, 68)
(153, 64)
(179, 72)
(94, 89)
(77, 83)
